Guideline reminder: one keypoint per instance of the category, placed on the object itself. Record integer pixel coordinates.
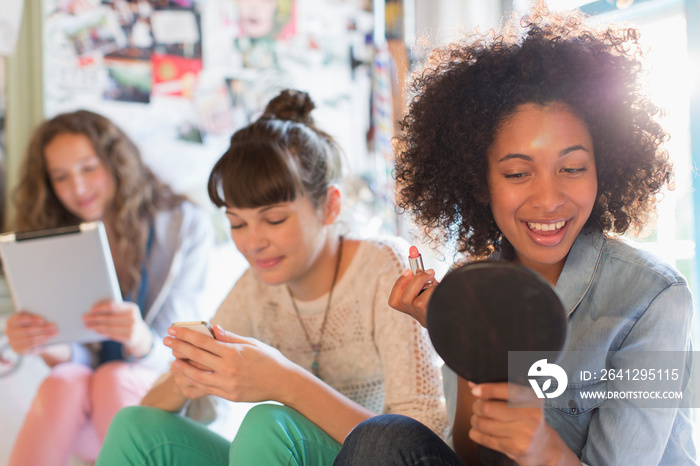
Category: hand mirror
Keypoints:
(482, 310)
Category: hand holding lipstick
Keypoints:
(413, 289)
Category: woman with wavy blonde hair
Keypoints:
(81, 167)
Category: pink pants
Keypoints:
(73, 408)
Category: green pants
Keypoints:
(269, 435)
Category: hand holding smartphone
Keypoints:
(198, 326)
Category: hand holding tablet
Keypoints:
(59, 275)
(27, 331)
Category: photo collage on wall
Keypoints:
(180, 76)
(147, 47)
(139, 50)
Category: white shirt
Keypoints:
(377, 356)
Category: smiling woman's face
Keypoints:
(80, 179)
(280, 241)
(542, 184)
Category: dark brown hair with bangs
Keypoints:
(278, 157)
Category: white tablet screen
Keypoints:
(60, 274)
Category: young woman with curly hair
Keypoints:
(81, 167)
(536, 146)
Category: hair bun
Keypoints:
(291, 105)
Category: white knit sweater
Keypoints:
(378, 357)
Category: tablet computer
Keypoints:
(60, 274)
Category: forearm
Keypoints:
(165, 395)
(333, 412)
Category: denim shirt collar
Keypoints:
(580, 267)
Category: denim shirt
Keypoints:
(623, 301)
(620, 300)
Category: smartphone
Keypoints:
(198, 326)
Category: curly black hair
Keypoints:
(469, 88)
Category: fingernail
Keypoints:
(167, 341)
(476, 391)
(218, 327)
(407, 273)
(430, 272)
(171, 331)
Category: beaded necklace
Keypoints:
(316, 347)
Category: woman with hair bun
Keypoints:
(307, 325)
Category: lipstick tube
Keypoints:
(415, 260)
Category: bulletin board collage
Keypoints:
(180, 76)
